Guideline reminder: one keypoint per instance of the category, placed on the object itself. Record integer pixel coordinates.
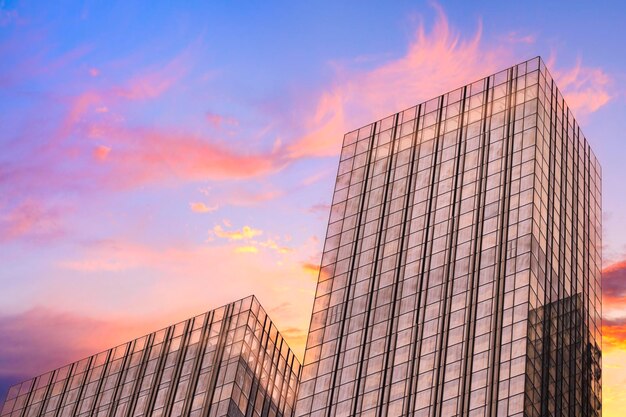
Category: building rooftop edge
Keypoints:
(251, 296)
(541, 66)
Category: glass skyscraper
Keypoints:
(230, 362)
(461, 268)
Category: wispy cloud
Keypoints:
(519, 37)
(586, 89)
(144, 155)
(147, 85)
(434, 62)
(31, 220)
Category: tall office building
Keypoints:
(461, 268)
(228, 362)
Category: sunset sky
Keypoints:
(160, 160)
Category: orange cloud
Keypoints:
(614, 334)
(296, 338)
(245, 233)
(311, 268)
(202, 208)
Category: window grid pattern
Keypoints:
(564, 332)
(431, 291)
(228, 362)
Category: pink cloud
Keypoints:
(145, 155)
(585, 89)
(147, 85)
(101, 152)
(154, 83)
(31, 220)
(435, 62)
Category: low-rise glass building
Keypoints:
(231, 361)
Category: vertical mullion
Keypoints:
(381, 232)
(351, 274)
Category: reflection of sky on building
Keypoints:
(563, 359)
(435, 257)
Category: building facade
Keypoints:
(461, 269)
(230, 361)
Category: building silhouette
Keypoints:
(230, 361)
(460, 277)
(461, 269)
